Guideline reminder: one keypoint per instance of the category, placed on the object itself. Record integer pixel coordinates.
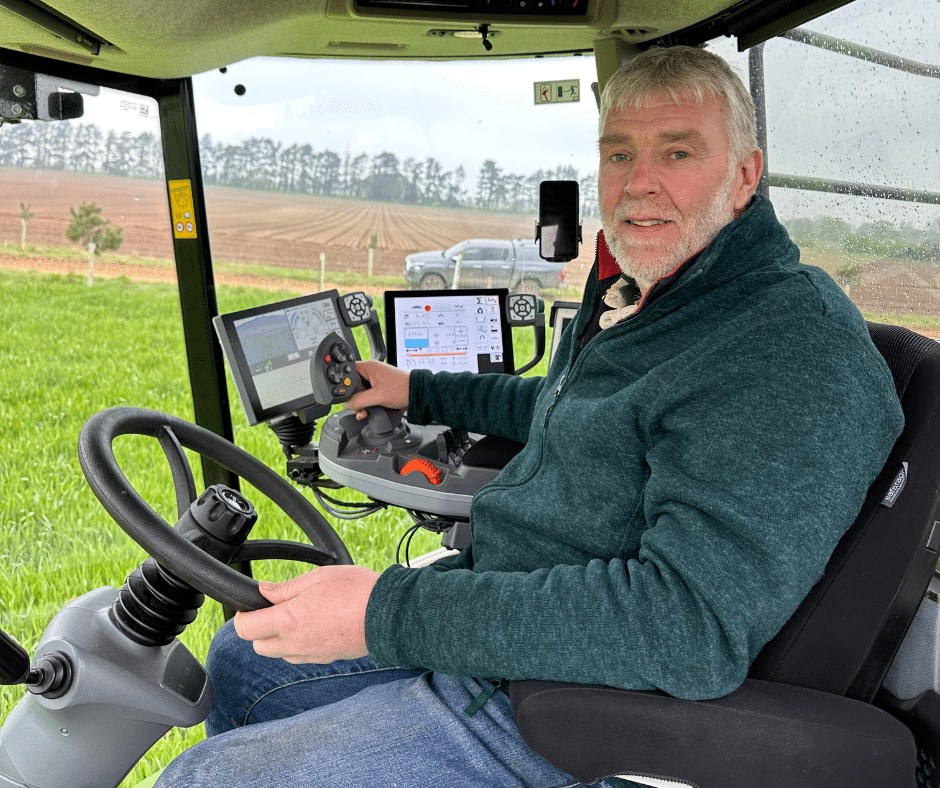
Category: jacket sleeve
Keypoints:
(758, 457)
(492, 404)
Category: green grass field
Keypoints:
(70, 351)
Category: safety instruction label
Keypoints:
(181, 206)
(558, 92)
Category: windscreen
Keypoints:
(361, 175)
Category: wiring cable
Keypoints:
(425, 522)
(346, 510)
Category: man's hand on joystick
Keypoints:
(383, 396)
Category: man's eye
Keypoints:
(680, 154)
(619, 157)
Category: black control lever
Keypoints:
(14, 661)
(382, 424)
(50, 676)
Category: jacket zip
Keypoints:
(657, 289)
(573, 365)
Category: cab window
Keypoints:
(842, 122)
(357, 164)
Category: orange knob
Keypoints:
(430, 473)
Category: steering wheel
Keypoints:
(171, 550)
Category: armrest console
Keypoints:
(767, 734)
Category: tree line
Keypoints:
(264, 164)
(81, 147)
(880, 238)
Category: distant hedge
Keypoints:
(898, 250)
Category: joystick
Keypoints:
(335, 379)
(382, 424)
(333, 370)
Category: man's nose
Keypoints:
(642, 178)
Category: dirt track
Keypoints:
(109, 270)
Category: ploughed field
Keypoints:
(285, 230)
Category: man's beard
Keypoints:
(645, 262)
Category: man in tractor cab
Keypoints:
(707, 431)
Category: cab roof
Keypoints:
(166, 39)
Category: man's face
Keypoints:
(667, 184)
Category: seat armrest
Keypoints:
(766, 734)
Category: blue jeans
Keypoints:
(351, 725)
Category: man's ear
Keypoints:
(747, 176)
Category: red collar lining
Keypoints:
(606, 264)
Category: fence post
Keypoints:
(373, 243)
(322, 270)
(91, 262)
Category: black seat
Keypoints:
(812, 713)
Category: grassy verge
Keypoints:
(920, 323)
(304, 277)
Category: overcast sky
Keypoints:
(458, 113)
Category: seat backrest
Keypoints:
(845, 634)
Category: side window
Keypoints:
(474, 253)
(60, 180)
(855, 187)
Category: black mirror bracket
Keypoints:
(26, 95)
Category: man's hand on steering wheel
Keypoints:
(316, 617)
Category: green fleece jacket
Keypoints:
(685, 478)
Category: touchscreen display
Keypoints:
(449, 330)
(269, 350)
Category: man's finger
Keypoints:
(259, 624)
(276, 593)
(273, 648)
(364, 399)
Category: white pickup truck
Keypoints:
(484, 262)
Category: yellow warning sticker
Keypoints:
(181, 207)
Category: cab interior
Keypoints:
(793, 723)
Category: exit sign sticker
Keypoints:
(558, 92)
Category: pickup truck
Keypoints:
(484, 262)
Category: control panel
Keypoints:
(293, 360)
(431, 469)
(385, 457)
(424, 468)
